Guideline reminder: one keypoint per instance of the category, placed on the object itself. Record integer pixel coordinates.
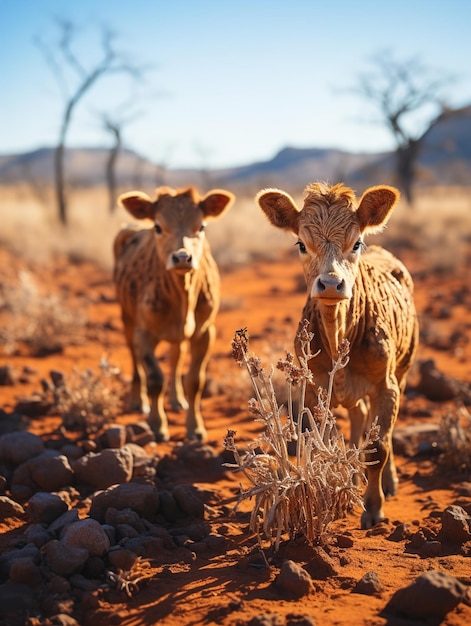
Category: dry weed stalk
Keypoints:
(86, 401)
(128, 580)
(454, 439)
(42, 322)
(303, 493)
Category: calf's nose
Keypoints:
(181, 257)
(329, 286)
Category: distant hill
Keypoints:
(445, 159)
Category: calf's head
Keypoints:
(179, 218)
(330, 228)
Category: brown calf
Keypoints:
(366, 298)
(168, 287)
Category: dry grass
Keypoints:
(303, 492)
(454, 441)
(86, 400)
(41, 321)
(438, 227)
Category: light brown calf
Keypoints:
(366, 298)
(168, 287)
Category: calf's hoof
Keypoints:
(197, 435)
(179, 405)
(371, 518)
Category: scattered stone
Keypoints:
(88, 534)
(344, 541)
(456, 525)
(106, 468)
(63, 559)
(10, 509)
(34, 406)
(49, 471)
(114, 436)
(430, 597)
(188, 501)
(8, 376)
(431, 549)
(25, 570)
(44, 507)
(122, 559)
(322, 566)
(168, 506)
(401, 532)
(293, 580)
(140, 498)
(368, 585)
(18, 447)
(435, 385)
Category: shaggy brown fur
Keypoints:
(365, 298)
(168, 287)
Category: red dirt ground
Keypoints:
(226, 588)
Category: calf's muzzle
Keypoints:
(330, 287)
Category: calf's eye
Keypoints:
(158, 229)
(357, 245)
(302, 247)
(202, 228)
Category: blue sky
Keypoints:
(231, 82)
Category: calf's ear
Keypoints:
(138, 204)
(280, 208)
(216, 202)
(375, 208)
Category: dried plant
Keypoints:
(42, 322)
(454, 440)
(305, 492)
(86, 400)
(128, 580)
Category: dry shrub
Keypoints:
(308, 490)
(454, 440)
(42, 322)
(436, 227)
(86, 400)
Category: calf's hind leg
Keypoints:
(144, 345)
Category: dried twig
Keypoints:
(303, 493)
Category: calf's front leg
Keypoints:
(201, 345)
(383, 471)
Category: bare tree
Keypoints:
(114, 126)
(408, 97)
(65, 60)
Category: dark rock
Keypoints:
(18, 447)
(44, 507)
(293, 580)
(63, 559)
(87, 533)
(8, 376)
(344, 541)
(140, 498)
(456, 525)
(368, 585)
(322, 566)
(10, 509)
(106, 468)
(431, 549)
(430, 597)
(401, 532)
(187, 500)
